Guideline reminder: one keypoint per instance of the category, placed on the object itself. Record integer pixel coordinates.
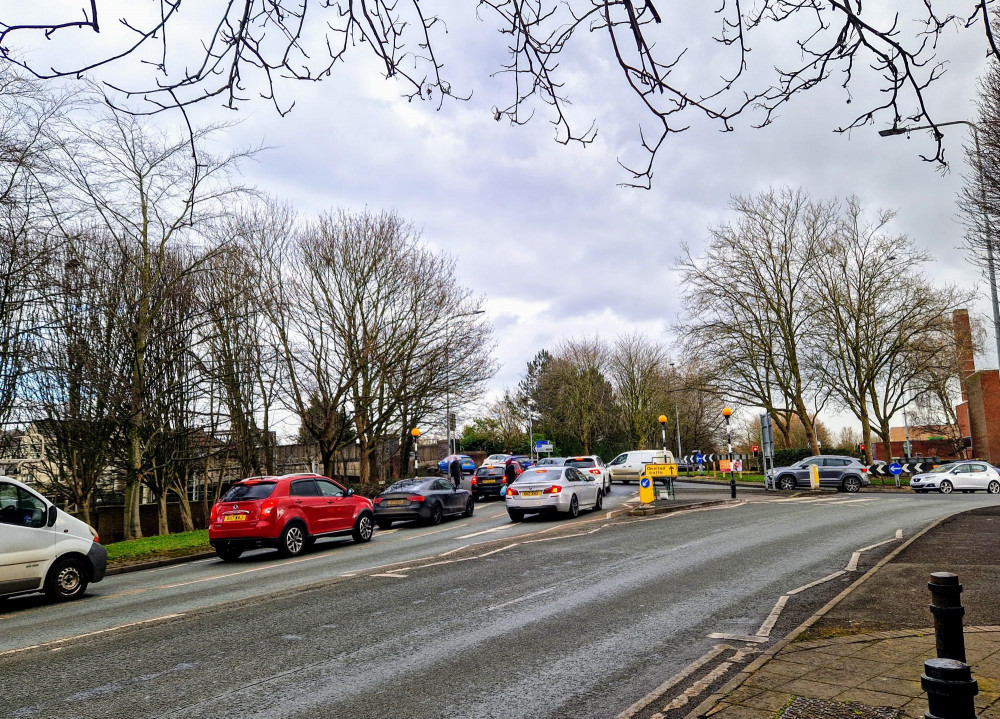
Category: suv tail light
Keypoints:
(215, 513)
(416, 498)
(267, 509)
(554, 489)
(864, 469)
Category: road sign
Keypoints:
(896, 468)
(646, 493)
(543, 445)
(699, 458)
(661, 470)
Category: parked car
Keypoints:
(523, 460)
(486, 482)
(543, 490)
(963, 476)
(628, 466)
(551, 462)
(495, 460)
(429, 499)
(592, 464)
(287, 513)
(468, 464)
(42, 548)
(846, 474)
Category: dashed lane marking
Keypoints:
(501, 528)
(55, 642)
(674, 681)
(391, 575)
(436, 531)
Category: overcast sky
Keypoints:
(541, 229)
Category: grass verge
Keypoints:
(149, 549)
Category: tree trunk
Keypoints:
(187, 519)
(162, 523)
(807, 424)
(866, 433)
(132, 519)
(84, 505)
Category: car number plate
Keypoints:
(234, 518)
(396, 502)
(531, 494)
(489, 481)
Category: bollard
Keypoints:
(950, 688)
(946, 606)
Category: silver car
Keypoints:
(541, 490)
(963, 476)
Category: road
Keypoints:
(476, 618)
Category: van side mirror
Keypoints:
(53, 514)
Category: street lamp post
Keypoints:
(447, 371)
(415, 433)
(662, 419)
(990, 267)
(727, 413)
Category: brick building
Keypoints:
(979, 413)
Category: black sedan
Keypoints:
(428, 499)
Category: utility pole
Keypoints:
(727, 413)
(677, 422)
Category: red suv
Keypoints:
(287, 513)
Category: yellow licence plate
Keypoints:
(234, 518)
(531, 494)
(489, 481)
(396, 502)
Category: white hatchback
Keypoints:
(542, 490)
(44, 549)
(961, 476)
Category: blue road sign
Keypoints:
(896, 468)
(644, 482)
(699, 458)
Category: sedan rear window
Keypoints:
(581, 462)
(540, 475)
(406, 485)
(257, 490)
(489, 472)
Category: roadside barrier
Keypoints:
(951, 688)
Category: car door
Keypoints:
(978, 477)
(585, 485)
(26, 542)
(444, 491)
(305, 496)
(831, 471)
(615, 467)
(338, 510)
(803, 473)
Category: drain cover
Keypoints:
(803, 708)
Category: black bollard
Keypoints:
(946, 606)
(950, 688)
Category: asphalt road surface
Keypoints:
(475, 618)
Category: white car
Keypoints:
(44, 549)
(541, 490)
(963, 476)
(496, 460)
(592, 464)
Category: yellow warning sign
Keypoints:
(661, 470)
(646, 492)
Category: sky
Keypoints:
(541, 230)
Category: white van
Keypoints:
(44, 549)
(627, 466)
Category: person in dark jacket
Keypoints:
(510, 472)
(455, 472)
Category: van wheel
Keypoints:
(67, 579)
(228, 553)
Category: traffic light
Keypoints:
(756, 450)
(861, 447)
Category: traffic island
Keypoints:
(864, 653)
(666, 506)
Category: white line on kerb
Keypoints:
(673, 681)
(91, 634)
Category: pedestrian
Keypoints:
(510, 471)
(455, 472)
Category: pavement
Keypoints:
(601, 616)
(865, 654)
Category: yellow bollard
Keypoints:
(814, 477)
(646, 492)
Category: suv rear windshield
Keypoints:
(257, 490)
(582, 462)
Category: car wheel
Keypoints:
(293, 539)
(599, 504)
(437, 514)
(946, 487)
(470, 507)
(994, 487)
(228, 553)
(607, 490)
(852, 484)
(574, 507)
(67, 580)
(363, 528)
(786, 482)
(383, 523)
(516, 515)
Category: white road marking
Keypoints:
(695, 689)
(899, 534)
(852, 566)
(349, 574)
(738, 637)
(452, 551)
(502, 549)
(825, 579)
(436, 531)
(90, 634)
(539, 593)
(854, 501)
(386, 531)
(392, 575)
(772, 618)
(674, 681)
(501, 528)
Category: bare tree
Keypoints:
(637, 368)
(749, 303)
(245, 46)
